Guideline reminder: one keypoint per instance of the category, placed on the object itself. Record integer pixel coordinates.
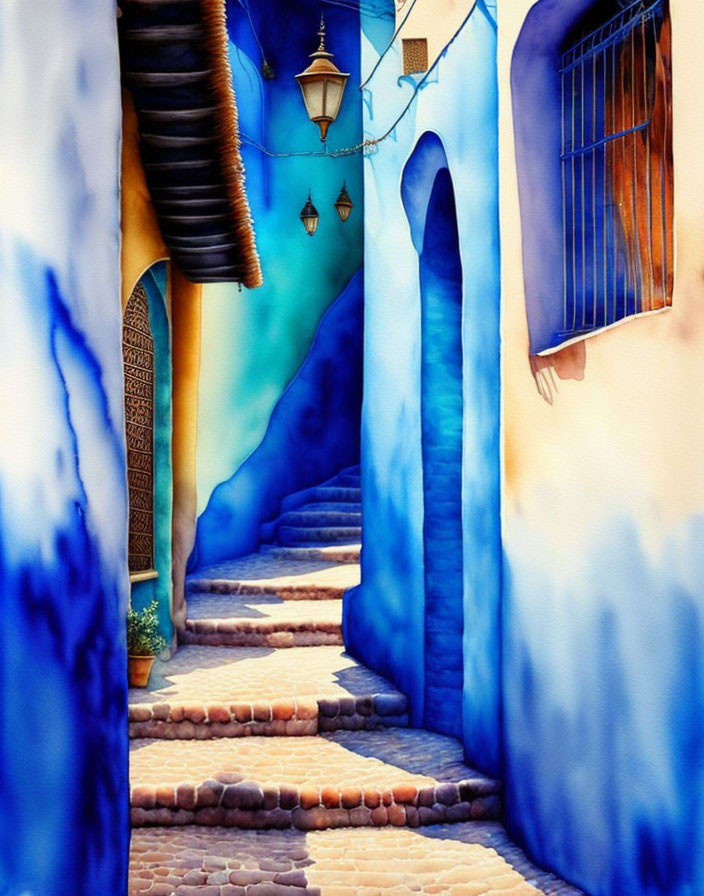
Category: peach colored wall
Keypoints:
(633, 427)
(603, 526)
(436, 20)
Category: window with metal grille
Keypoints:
(415, 55)
(617, 182)
(138, 357)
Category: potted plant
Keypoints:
(143, 643)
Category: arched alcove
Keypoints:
(429, 202)
(148, 419)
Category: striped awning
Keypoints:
(174, 56)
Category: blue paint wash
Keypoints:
(384, 619)
(313, 433)
(62, 649)
(440, 271)
(604, 746)
(161, 588)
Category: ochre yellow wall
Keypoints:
(142, 246)
(186, 322)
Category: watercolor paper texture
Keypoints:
(63, 502)
(419, 479)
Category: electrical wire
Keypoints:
(245, 6)
(373, 141)
(391, 43)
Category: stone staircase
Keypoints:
(236, 737)
(327, 514)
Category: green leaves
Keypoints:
(143, 638)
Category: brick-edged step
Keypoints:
(211, 692)
(348, 779)
(263, 620)
(291, 578)
(347, 553)
(299, 535)
(471, 858)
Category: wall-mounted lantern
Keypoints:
(309, 216)
(322, 85)
(344, 204)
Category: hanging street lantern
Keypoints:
(309, 216)
(322, 85)
(344, 204)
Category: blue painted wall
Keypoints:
(433, 220)
(384, 619)
(313, 433)
(161, 588)
(64, 823)
(255, 342)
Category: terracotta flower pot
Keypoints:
(139, 668)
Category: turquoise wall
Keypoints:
(254, 342)
(161, 588)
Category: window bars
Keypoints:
(617, 170)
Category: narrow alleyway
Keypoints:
(261, 770)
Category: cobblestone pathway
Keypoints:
(258, 771)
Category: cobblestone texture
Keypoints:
(349, 553)
(213, 816)
(267, 573)
(256, 674)
(263, 620)
(363, 759)
(254, 608)
(349, 779)
(456, 860)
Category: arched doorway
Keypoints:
(138, 356)
(146, 346)
(429, 201)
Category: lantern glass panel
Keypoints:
(311, 225)
(333, 99)
(314, 97)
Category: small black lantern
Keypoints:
(344, 204)
(310, 216)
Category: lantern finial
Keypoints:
(321, 34)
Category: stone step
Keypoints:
(317, 519)
(450, 860)
(350, 778)
(321, 493)
(349, 553)
(347, 480)
(290, 578)
(204, 692)
(261, 621)
(294, 536)
(335, 506)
